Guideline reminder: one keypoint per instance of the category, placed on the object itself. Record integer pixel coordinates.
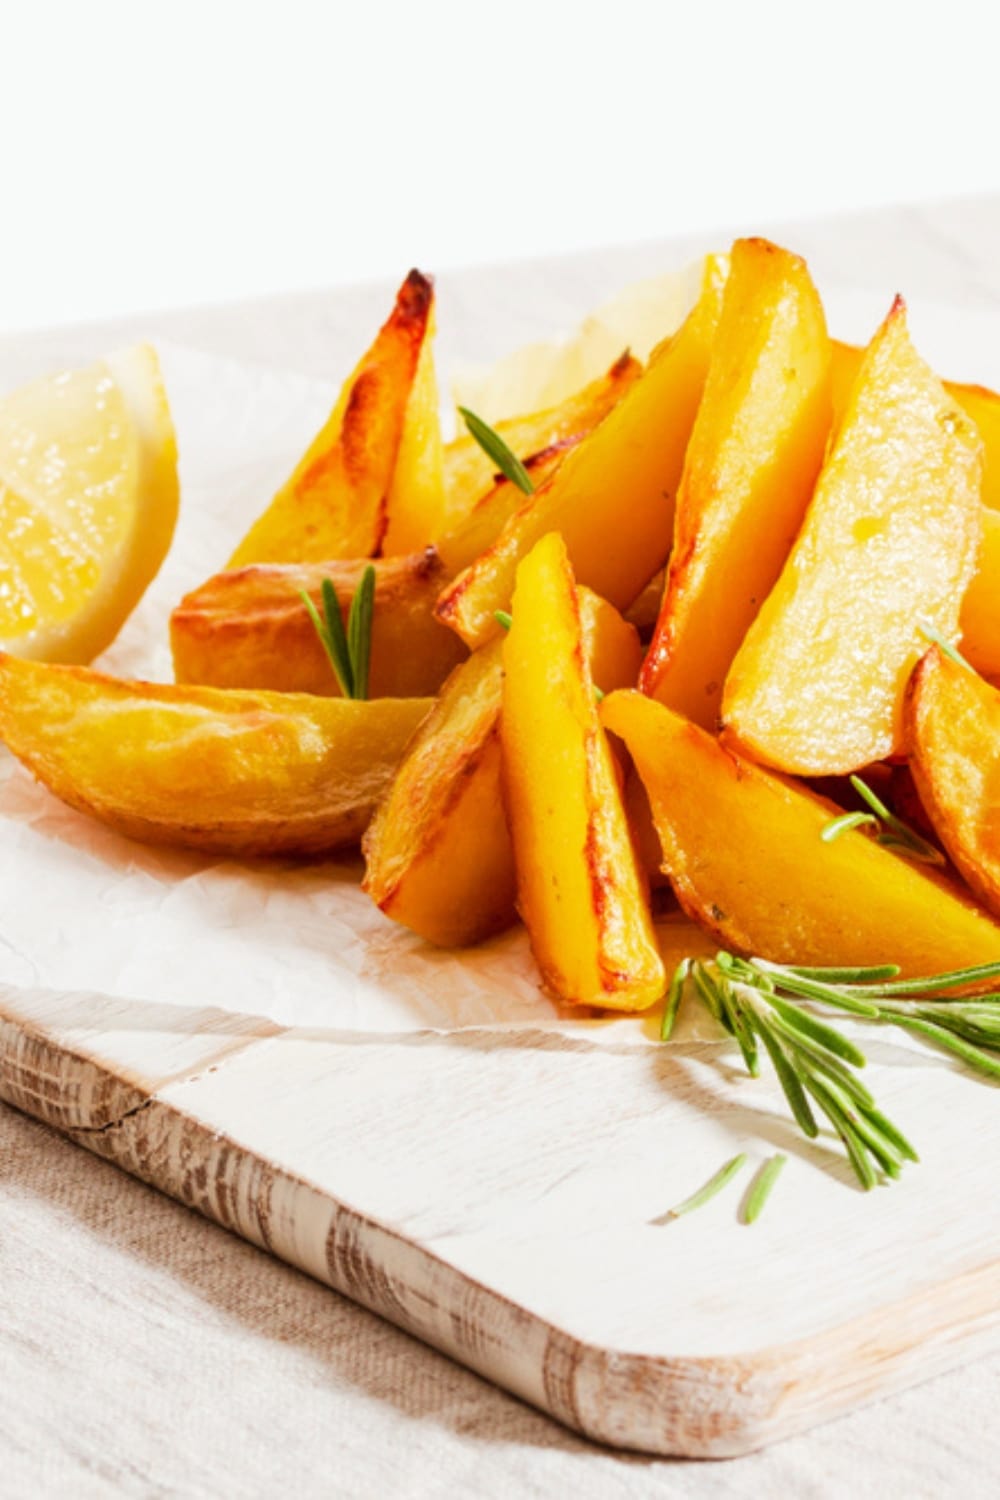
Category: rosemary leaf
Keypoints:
(674, 996)
(932, 634)
(837, 826)
(760, 1188)
(714, 1185)
(359, 631)
(493, 445)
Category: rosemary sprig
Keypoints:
(349, 651)
(931, 633)
(760, 1188)
(493, 445)
(893, 833)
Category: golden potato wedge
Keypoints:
(751, 465)
(416, 506)
(579, 887)
(334, 504)
(612, 498)
(980, 618)
(743, 851)
(889, 542)
(477, 531)
(952, 723)
(977, 401)
(639, 317)
(248, 628)
(470, 474)
(438, 852)
(228, 772)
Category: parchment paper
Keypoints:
(86, 909)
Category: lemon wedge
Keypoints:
(88, 504)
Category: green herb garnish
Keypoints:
(893, 833)
(760, 1188)
(759, 1002)
(493, 445)
(932, 634)
(349, 651)
(704, 1194)
(503, 617)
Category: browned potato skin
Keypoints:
(438, 852)
(951, 720)
(227, 772)
(248, 628)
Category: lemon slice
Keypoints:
(88, 504)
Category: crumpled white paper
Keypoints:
(82, 908)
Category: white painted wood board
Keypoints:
(493, 1193)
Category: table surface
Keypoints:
(145, 1352)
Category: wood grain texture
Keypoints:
(494, 1194)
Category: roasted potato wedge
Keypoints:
(438, 851)
(416, 506)
(952, 723)
(334, 504)
(980, 618)
(580, 891)
(743, 851)
(228, 772)
(977, 401)
(248, 628)
(612, 497)
(751, 465)
(639, 317)
(470, 473)
(889, 542)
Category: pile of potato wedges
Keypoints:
(622, 708)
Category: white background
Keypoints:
(163, 154)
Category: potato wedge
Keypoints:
(416, 506)
(469, 472)
(980, 618)
(743, 851)
(612, 498)
(751, 465)
(248, 628)
(977, 401)
(541, 442)
(476, 532)
(639, 317)
(334, 504)
(889, 542)
(952, 722)
(580, 891)
(228, 772)
(438, 852)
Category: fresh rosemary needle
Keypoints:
(493, 445)
(705, 1194)
(760, 1188)
(932, 634)
(349, 652)
(893, 832)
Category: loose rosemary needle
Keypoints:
(705, 1194)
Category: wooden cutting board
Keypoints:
(496, 1193)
